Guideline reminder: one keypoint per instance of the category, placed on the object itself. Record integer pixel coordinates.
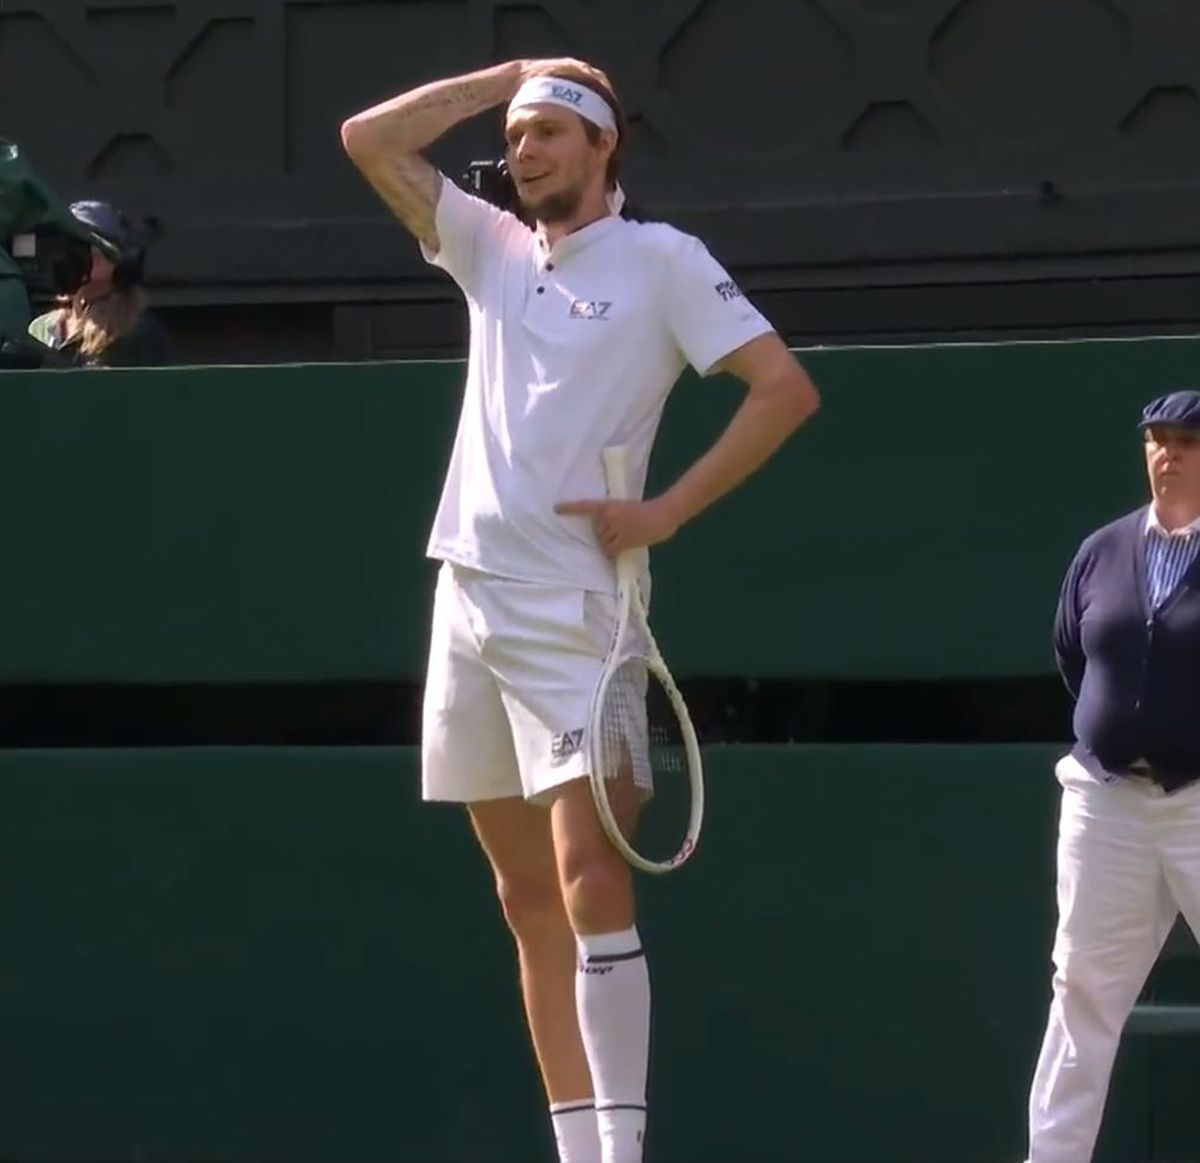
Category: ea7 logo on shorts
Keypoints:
(728, 290)
(565, 745)
(563, 93)
(589, 309)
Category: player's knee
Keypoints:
(1097, 983)
(598, 893)
(531, 906)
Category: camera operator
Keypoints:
(105, 321)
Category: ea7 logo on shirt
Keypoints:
(589, 309)
(728, 290)
(564, 745)
(565, 94)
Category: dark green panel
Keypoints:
(261, 954)
(268, 524)
(251, 955)
(228, 524)
(922, 523)
(861, 970)
(1174, 1050)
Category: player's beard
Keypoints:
(558, 207)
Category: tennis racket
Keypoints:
(645, 769)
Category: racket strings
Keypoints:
(624, 729)
(644, 761)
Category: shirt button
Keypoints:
(541, 290)
(549, 266)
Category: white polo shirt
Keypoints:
(572, 349)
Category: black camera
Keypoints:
(491, 181)
(51, 262)
(44, 251)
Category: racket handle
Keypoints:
(616, 477)
(616, 471)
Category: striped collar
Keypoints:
(1153, 525)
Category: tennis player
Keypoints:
(580, 323)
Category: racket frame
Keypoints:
(631, 612)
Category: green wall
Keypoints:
(272, 954)
(267, 524)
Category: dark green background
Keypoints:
(252, 525)
(279, 954)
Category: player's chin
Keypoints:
(551, 208)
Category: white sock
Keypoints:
(575, 1131)
(612, 992)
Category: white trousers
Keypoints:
(1128, 864)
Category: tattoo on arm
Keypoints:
(411, 187)
(386, 142)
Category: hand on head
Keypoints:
(554, 66)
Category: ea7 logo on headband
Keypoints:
(563, 93)
(728, 290)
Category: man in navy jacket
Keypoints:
(1127, 639)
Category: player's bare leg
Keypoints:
(613, 985)
(517, 839)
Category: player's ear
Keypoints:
(607, 143)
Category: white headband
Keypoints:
(568, 95)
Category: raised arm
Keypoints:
(385, 141)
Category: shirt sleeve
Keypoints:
(1068, 642)
(470, 232)
(706, 311)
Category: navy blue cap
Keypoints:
(1182, 408)
(105, 221)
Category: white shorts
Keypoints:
(512, 668)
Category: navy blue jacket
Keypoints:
(1134, 673)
